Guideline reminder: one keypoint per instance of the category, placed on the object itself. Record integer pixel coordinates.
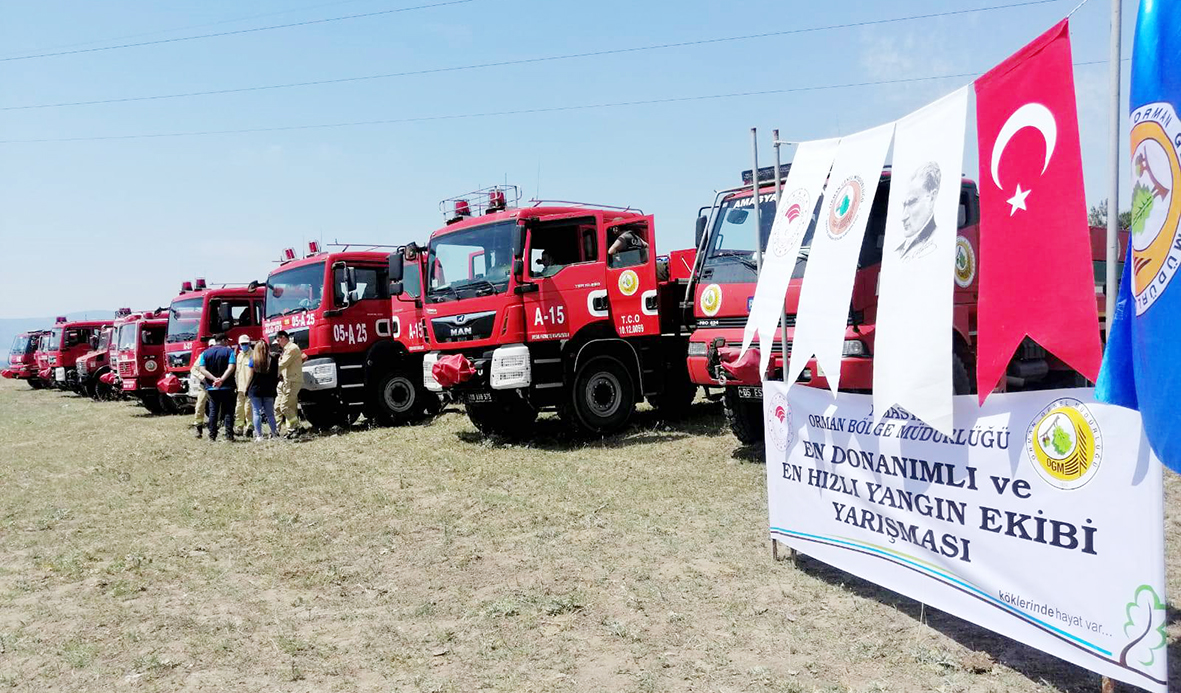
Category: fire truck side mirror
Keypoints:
(252, 286)
(94, 342)
(223, 313)
(522, 236)
(396, 266)
(700, 233)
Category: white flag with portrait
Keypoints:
(823, 313)
(913, 343)
(793, 217)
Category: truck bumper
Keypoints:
(856, 373)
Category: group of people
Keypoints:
(240, 389)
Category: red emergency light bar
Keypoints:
(313, 248)
(288, 254)
(496, 201)
(462, 209)
(201, 284)
(186, 287)
(61, 319)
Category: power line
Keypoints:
(237, 32)
(157, 32)
(527, 61)
(527, 111)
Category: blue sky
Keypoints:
(100, 224)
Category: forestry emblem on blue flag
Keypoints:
(1139, 368)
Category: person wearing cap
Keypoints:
(290, 383)
(216, 365)
(197, 386)
(243, 412)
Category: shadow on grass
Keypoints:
(1035, 665)
(703, 419)
(753, 454)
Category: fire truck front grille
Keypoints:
(179, 360)
(464, 328)
(125, 369)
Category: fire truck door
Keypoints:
(563, 261)
(631, 278)
(361, 293)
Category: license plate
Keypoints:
(750, 392)
(477, 397)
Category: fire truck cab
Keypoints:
(22, 359)
(197, 314)
(68, 341)
(97, 367)
(723, 288)
(336, 307)
(559, 306)
(140, 345)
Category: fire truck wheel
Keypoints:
(399, 398)
(323, 415)
(745, 418)
(152, 403)
(676, 399)
(507, 415)
(961, 382)
(603, 398)
(36, 384)
(167, 404)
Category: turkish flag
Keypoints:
(1036, 277)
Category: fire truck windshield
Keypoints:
(104, 339)
(471, 262)
(20, 345)
(733, 239)
(127, 336)
(55, 338)
(293, 290)
(184, 319)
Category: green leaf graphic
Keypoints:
(1061, 440)
(844, 208)
(1145, 626)
(1142, 201)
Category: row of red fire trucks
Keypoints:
(516, 309)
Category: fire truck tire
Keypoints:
(507, 415)
(152, 403)
(603, 397)
(323, 415)
(167, 404)
(675, 401)
(399, 397)
(745, 418)
(961, 382)
(36, 384)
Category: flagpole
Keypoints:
(754, 191)
(782, 306)
(1113, 255)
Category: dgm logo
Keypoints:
(711, 300)
(1064, 444)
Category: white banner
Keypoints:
(912, 345)
(823, 312)
(1040, 516)
(793, 217)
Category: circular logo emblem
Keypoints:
(965, 262)
(1064, 445)
(842, 210)
(711, 300)
(628, 282)
(778, 413)
(1156, 208)
(794, 215)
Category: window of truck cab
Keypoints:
(474, 261)
(556, 245)
(184, 320)
(20, 344)
(372, 283)
(294, 290)
(244, 312)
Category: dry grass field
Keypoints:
(134, 557)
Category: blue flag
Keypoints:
(1141, 368)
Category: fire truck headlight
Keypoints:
(855, 347)
(698, 348)
(150, 365)
(511, 367)
(428, 375)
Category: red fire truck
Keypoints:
(140, 345)
(41, 360)
(96, 368)
(361, 355)
(22, 360)
(68, 341)
(557, 305)
(197, 314)
(723, 288)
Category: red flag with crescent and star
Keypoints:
(1036, 277)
